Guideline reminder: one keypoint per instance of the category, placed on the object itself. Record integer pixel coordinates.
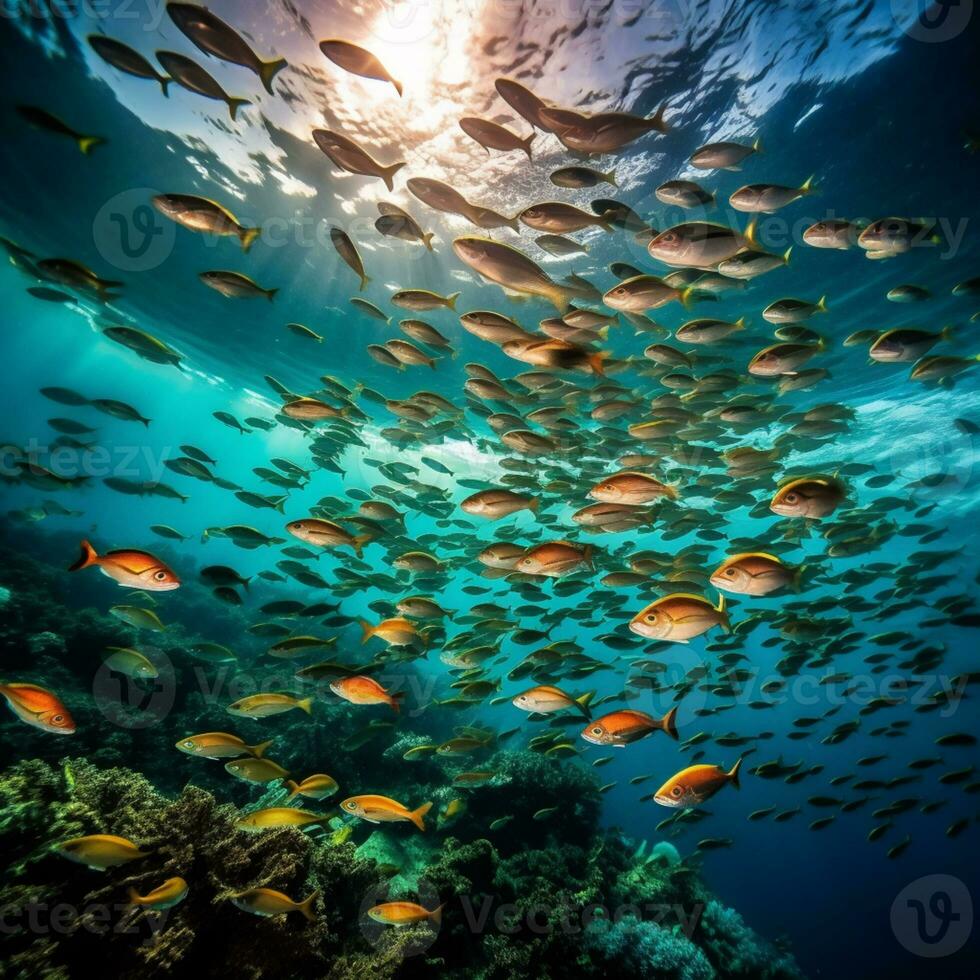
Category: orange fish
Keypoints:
(130, 568)
(395, 632)
(38, 708)
(755, 574)
(694, 785)
(632, 488)
(546, 698)
(363, 690)
(404, 914)
(619, 728)
(554, 559)
(679, 617)
(381, 809)
(808, 496)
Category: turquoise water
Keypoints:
(845, 93)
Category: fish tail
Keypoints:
(757, 145)
(807, 186)
(787, 254)
(399, 88)
(582, 703)
(427, 239)
(133, 895)
(234, 105)
(733, 775)
(688, 297)
(395, 702)
(750, 233)
(740, 323)
(306, 906)
(268, 71)
(515, 224)
(596, 362)
(270, 294)
(247, 236)
(86, 558)
(451, 300)
(259, 750)
(610, 178)
(948, 332)
(526, 145)
(306, 704)
(365, 279)
(669, 723)
(359, 542)
(822, 304)
(534, 504)
(436, 914)
(724, 620)
(587, 555)
(388, 174)
(87, 143)
(165, 86)
(367, 630)
(657, 122)
(292, 786)
(416, 816)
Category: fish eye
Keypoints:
(188, 744)
(669, 238)
(596, 731)
(160, 576)
(58, 719)
(352, 805)
(522, 697)
(730, 571)
(651, 617)
(676, 791)
(791, 498)
(819, 226)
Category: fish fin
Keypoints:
(596, 363)
(657, 122)
(757, 145)
(733, 775)
(165, 86)
(367, 630)
(306, 704)
(436, 914)
(688, 297)
(270, 294)
(364, 281)
(822, 304)
(388, 174)
(587, 552)
(268, 71)
(260, 749)
(399, 88)
(669, 723)
(234, 105)
(86, 558)
(582, 703)
(306, 906)
(526, 145)
(427, 237)
(247, 237)
(451, 300)
(416, 816)
(87, 143)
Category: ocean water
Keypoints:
(878, 101)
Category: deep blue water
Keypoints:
(855, 94)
